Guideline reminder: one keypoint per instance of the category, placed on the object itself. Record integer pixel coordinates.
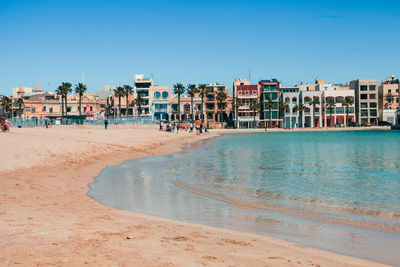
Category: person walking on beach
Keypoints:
(191, 127)
(197, 124)
(105, 124)
(5, 124)
(161, 125)
(201, 128)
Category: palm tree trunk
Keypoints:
(179, 109)
(66, 106)
(220, 113)
(313, 116)
(127, 105)
(80, 105)
(62, 105)
(191, 104)
(119, 106)
(330, 117)
(254, 119)
(202, 107)
(270, 117)
(20, 111)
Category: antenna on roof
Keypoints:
(249, 73)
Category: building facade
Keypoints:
(389, 100)
(143, 87)
(270, 91)
(161, 104)
(366, 100)
(245, 95)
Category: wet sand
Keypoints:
(46, 218)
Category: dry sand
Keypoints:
(46, 218)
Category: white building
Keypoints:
(144, 88)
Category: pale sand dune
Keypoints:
(46, 218)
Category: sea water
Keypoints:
(338, 191)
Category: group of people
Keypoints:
(5, 124)
(170, 127)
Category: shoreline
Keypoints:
(47, 217)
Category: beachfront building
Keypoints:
(143, 87)
(366, 100)
(389, 100)
(185, 108)
(270, 92)
(161, 102)
(290, 116)
(245, 94)
(337, 113)
(39, 104)
(213, 108)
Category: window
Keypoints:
(50, 110)
(372, 96)
(68, 109)
(157, 95)
(364, 96)
(372, 112)
(339, 110)
(364, 105)
(389, 91)
(247, 103)
(165, 94)
(364, 113)
(363, 88)
(372, 87)
(254, 92)
(174, 107)
(274, 96)
(372, 105)
(44, 108)
(186, 108)
(397, 100)
(247, 92)
(239, 92)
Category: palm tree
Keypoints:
(203, 92)
(221, 96)
(6, 103)
(128, 91)
(192, 91)
(235, 106)
(139, 102)
(269, 105)
(179, 89)
(66, 89)
(119, 92)
(282, 107)
(348, 102)
(314, 102)
(300, 108)
(20, 103)
(60, 92)
(330, 105)
(80, 88)
(254, 106)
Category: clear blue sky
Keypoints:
(48, 42)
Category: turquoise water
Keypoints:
(333, 190)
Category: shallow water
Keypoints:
(338, 191)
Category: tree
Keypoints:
(282, 107)
(179, 89)
(139, 102)
(80, 88)
(6, 103)
(203, 92)
(60, 92)
(119, 92)
(235, 106)
(330, 105)
(192, 91)
(221, 96)
(314, 102)
(348, 102)
(128, 91)
(269, 105)
(20, 103)
(66, 90)
(254, 106)
(300, 108)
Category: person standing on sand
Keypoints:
(201, 128)
(5, 124)
(105, 124)
(197, 124)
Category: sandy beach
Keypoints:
(47, 219)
